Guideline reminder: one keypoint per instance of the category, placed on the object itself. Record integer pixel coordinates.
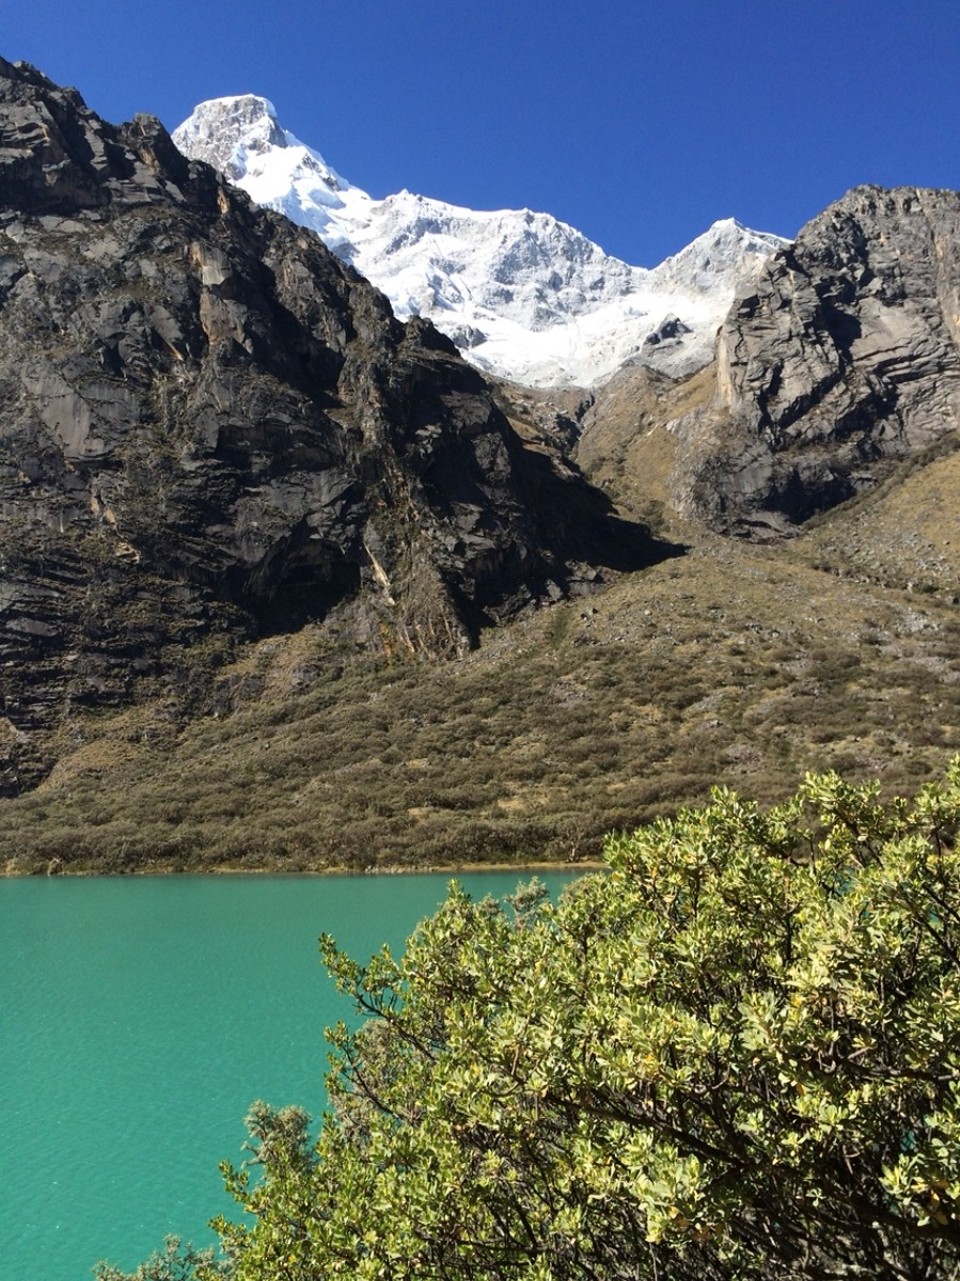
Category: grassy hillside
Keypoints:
(733, 664)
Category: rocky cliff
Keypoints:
(210, 427)
(843, 356)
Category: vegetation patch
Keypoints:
(734, 1056)
(732, 664)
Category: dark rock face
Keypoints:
(211, 426)
(671, 328)
(846, 353)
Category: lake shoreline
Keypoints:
(443, 869)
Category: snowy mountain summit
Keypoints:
(523, 295)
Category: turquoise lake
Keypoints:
(140, 1017)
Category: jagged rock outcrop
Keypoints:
(845, 354)
(210, 427)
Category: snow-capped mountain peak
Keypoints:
(524, 295)
(242, 137)
(707, 263)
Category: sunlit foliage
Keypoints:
(736, 1054)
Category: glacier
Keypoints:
(524, 296)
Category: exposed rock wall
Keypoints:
(843, 356)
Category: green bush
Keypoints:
(734, 1055)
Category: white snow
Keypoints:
(523, 295)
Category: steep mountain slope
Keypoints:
(212, 428)
(523, 295)
(842, 357)
(736, 664)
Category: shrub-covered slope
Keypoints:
(737, 664)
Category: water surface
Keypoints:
(139, 1018)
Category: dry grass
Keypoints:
(905, 533)
(627, 448)
(734, 664)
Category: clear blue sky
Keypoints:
(638, 121)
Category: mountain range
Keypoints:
(286, 581)
(523, 296)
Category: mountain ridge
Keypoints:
(524, 295)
